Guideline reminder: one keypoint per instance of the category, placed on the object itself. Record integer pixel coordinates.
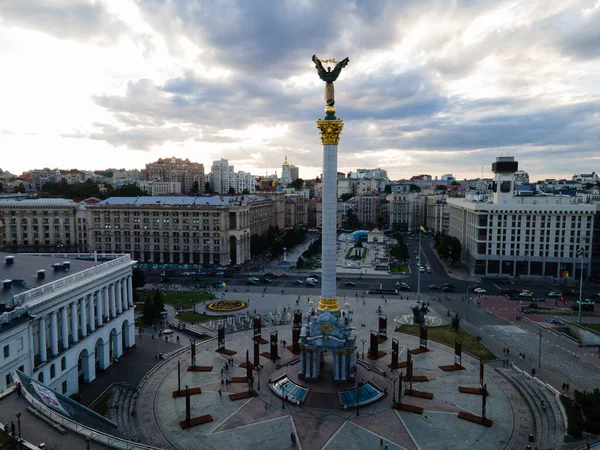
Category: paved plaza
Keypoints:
(263, 422)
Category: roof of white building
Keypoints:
(23, 273)
(39, 202)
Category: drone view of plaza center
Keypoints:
(407, 256)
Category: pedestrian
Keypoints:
(220, 393)
(504, 350)
(523, 356)
(266, 407)
(507, 351)
(520, 356)
(229, 380)
(380, 444)
(385, 447)
(12, 428)
(156, 356)
(222, 382)
(221, 372)
(567, 387)
(564, 386)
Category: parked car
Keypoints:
(433, 286)
(450, 285)
(284, 275)
(448, 289)
(311, 280)
(479, 290)
(555, 294)
(168, 331)
(265, 281)
(349, 283)
(253, 279)
(525, 295)
(527, 291)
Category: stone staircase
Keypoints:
(127, 424)
(549, 425)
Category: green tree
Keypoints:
(231, 190)
(297, 184)
(456, 322)
(300, 263)
(148, 315)
(195, 188)
(448, 247)
(128, 190)
(207, 188)
(441, 187)
(346, 197)
(246, 191)
(388, 189)
(414, 188)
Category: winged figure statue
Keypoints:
(329, 76)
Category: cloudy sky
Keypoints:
(432, 86)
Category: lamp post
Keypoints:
(449, 255)
(363, 340)
(540, 349)
(358, 398)
(19, 424)
(394, 390)
(283, 397)
(581, 253)
(87, 442)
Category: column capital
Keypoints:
(330, 131)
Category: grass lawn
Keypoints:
(446, 335)
(190, 316)
(592, 326)
(182, 299)
(399, 269)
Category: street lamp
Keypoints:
(358, 398)
(19, 424)
(581, 253)
(363, 340)
(540, 349)
(87, 442)
(449, 254)
(283, 397)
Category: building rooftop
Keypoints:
(213, 200)
(38, 202)
(22, 275)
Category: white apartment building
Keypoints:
(379, 176)
(43, 176)
(63, 321)
(156, 188)
(438, 213)
(244, 181)
(513, 236)
(221, 176)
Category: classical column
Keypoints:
(119, 298)
(42, 338)
(315, 364)
(53, 333)
(82, 317)
(112, 301)
(330, 129)
(130, 289)
(99, 305)
(92, 313)
(302, 370)
(344, 374)
(74, 333)
(238, 252)
(64, 322)
(125, 291)
(105, 297)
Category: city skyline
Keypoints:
(432, 88)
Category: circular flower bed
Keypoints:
(226, 305)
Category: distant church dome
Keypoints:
(285, 163)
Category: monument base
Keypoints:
(452, 368)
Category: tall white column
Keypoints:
(343, 375)
(119, 297)
(336, 375)
(92, 314)
(329, 232)
(315, 363)
(99, 305)
(302, 370)
(130, 289)
(112, 301)
(82, 317)
(64, 323)
(54, 333)
(105, 297)
(124, 299)
(42, 339)
(74, 327)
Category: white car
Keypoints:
(312, 280)
(253, 279)
(479, 290)
(168, 331)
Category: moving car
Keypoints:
(433, 286)
(167, 331)
(275, 275)
(349, 283)
(448, 289)
(479, 290)
(526, 291)
(298, 282)
(265, 281)
(450, 285)
(311, 280)
(525, 295)
(252, 279)
(555, 294)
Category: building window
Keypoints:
(52, 371)
(63, 363)
(6, 351)
(64, 387)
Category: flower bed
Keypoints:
(226, 305)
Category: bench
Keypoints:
(195, 421)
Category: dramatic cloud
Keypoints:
(432, 86)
